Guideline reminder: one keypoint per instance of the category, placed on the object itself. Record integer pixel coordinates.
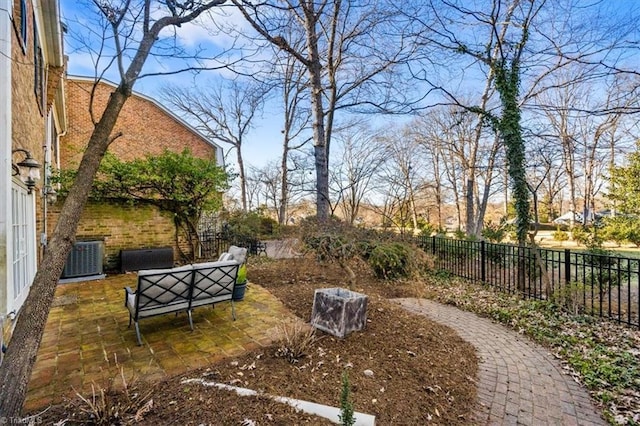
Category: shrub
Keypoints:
(335, 242)
(560, 235)
(249, 225)
(622, 228)
(599, 269)
(494, 233)
(587, 236)
(390, 260)
(296, 342)
(386, 253)
(459, 234)
(569, 297)
(426, 228)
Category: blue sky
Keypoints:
(262, 145)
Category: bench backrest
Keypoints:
(213, 282)
(163, 290)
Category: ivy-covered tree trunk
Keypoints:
(507, 84)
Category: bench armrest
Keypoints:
(127, 292)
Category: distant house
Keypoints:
(578, 217)
(148, 128)
(32, 117)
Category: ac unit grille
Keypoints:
(85, 259)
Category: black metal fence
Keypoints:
(215, 237)
(212, 244)
(596, 284)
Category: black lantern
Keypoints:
(28, 169)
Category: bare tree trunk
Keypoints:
(284, 190)
(15, 370)
(470, 225)
(317, 111)
(242, 176)
(414, 213)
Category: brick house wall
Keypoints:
(147, 129)
(28, 121)
(122, 225)
(32, 115)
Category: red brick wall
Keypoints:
(146, 130)
(122, 226)
(28, 122)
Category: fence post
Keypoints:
(483, 261)
(433, 245)
(567, 266)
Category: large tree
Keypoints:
(225, 112)
(464, 153)
(132, 32)
(350, 51)
(178, 183)
(495, 39)
(516, 48)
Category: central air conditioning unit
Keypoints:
(85, 259)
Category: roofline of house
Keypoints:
(218, 148)
(53, 30)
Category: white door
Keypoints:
(24, 244)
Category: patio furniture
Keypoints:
(213, 282)
(238, 254)
(162, 291)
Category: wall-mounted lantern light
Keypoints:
(50, 194)
(28, 169)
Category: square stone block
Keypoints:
(339, 311)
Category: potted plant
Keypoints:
(241, 283)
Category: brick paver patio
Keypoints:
(87, 333)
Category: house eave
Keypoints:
(218, 148)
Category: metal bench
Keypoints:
(162, 291)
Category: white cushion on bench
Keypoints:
(238, 253)
(225, 256)
(213, 282)
(161, 291)
(144, 272)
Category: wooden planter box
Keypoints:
(339, 311)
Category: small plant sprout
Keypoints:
(346, 417)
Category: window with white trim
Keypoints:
(23, 237)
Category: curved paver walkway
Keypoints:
(520, 383)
